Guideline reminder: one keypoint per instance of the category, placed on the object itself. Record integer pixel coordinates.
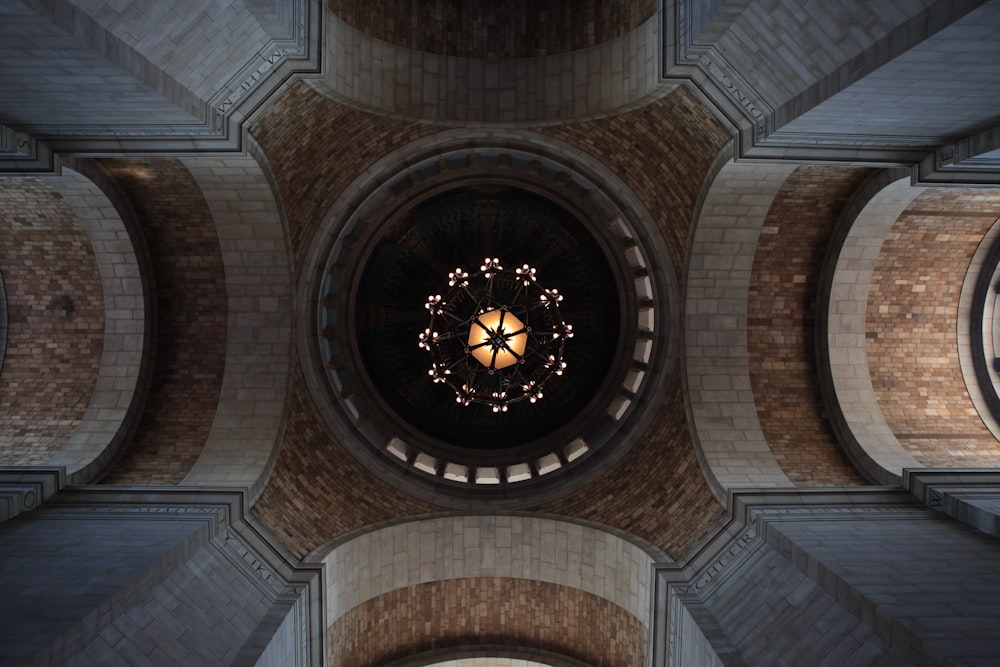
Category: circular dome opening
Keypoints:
(394, 237)
(412, 260)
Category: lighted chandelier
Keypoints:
(496, 337)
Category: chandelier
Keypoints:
(496, 337)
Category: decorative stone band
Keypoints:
(25, 488)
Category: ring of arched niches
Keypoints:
(569, 454)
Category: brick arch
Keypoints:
(384, 69)
(912, 327)
(731, 445)
(3, 320)
(493, 610)
(850, 396)
(977, 301)
(519, 28)
(241, 446)
(487, 655)
(187, 276)
(896, 330)
(459, 581)
(55, 322)
(119, 390)
(221, 277)
(781, 319)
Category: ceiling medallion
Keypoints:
(496, 337)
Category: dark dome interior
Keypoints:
(459, 229)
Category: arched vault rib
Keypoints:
(730, 443)
(248, 418)
(856, 415)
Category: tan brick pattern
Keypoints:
(781, 314)
(318, 490)
(911, 328)
(191, 317)
(487, 610)
(500, 29)
(55, 314)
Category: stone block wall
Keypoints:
(160, 69)
(201, 613)
(65, 575)
(917, 94)
(840, 578)
(40, 81)
(773, 613)
(927, 584)
(98, 578)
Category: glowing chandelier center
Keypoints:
(497, 339)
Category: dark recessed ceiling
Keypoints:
(460, 228)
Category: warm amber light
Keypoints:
(500, 333)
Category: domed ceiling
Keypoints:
(379, 211)
(445, 205)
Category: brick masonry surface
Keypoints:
(503, 29)
(191, 316)
(56, 321)
(318, 490)
(781, 313)
(911, 328)
(487, 610)
(663, 152)
(310, 175)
